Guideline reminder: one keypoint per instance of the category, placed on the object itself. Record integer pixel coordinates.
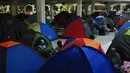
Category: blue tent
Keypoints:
(124, 27)
(48, 32)
(69, 41)
(99, 63)
(17, 58)
(45, 30)
(78, 60)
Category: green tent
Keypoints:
(37, 41)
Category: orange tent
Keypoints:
(85, 42)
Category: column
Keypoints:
(93, 6)
(52, 11)
(121, 8)
(41, 13)
(14, 7)
(79, 8)
(108, 7)
(23, 6)
(59, 6)
(85, 7)
(75, 6)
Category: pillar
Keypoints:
(108, 7)
(52, 11)
(59, 7)
(14, 7)
(79, 8)
(85, 7)
(41, 13)
(93, 6)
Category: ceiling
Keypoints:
(57, 1)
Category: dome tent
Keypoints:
(78, 60)
(17, 58)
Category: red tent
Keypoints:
(121, 21)
(75, 30)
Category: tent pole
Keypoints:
(79, 8)
(41, 13)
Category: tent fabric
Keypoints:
(10, 28)
(70, 60)
(48, 32)
(102, 64)
(7, 45)
(3, 54)
(77, 60)
(76, 27)
(35, 27)
(84, 42)
(28, 38)
(62, 19)
(44, 47)
(68, 41)
(122, 44)
(88, 30)
(35, 40)
(75, 30)
(45, 30)
(19, 58)
(125, 26)
(72, 18)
